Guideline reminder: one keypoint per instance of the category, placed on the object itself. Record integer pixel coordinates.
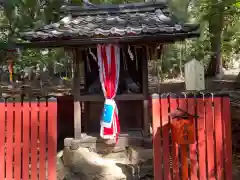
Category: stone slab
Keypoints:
(138, 155)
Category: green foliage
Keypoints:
(27, 15)
(214, 17)
(207, 14)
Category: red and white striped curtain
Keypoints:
(109, 67)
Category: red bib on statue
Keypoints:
(183, 131)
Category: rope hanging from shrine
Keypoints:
(109, 68)
(131, 53)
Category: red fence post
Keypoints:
(201, 138)
(227, 136)
(191, 103)
(9, 151)
(42, 140)
(157, 156)
(52, 138)
(210, 138)
(34, 139)
(165, 133)
(18, 139)
(26, 140)
(175, 152)
(2, 140)
(218, 136)
(183, 148)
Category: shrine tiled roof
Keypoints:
(113, 21)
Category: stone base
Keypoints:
(111, 163)
(62, 170)
(138, 155)
(95, 142)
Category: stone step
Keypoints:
(137, 155)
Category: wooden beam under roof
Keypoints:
(88, 42)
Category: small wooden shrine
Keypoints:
(139, 29)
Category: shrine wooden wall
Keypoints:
(130, 115)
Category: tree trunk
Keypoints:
(216, 18)
(50, 69)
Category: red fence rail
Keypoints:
(28, 139)
(210, 156)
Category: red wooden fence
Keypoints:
(210, 157)
(28, 135)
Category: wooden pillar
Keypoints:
(77, 57)
(145, 92)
